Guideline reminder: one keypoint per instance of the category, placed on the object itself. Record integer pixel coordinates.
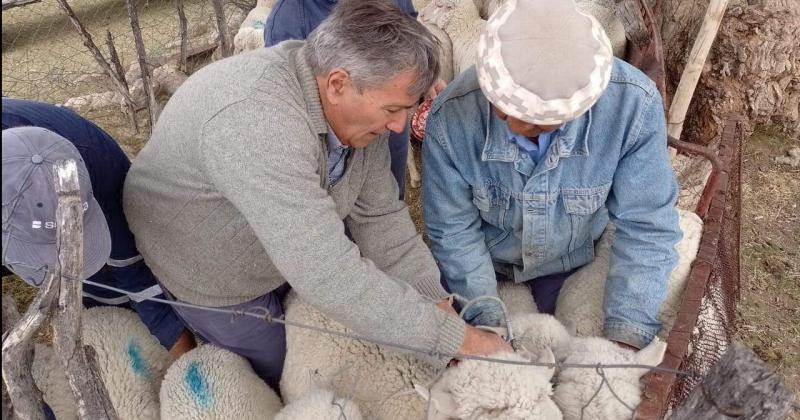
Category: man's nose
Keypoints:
(398, 122)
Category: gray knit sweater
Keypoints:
(229, 199)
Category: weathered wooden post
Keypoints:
(88, 388)
(738, 386)
(18, 351)
(147, 83)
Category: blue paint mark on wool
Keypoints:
(198, 387)
(138, 364)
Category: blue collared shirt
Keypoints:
(488, 208)
(534, 149)
(337, 157)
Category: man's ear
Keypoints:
(336, 85)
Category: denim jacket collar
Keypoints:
(571, 140)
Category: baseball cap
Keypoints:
(30, 202)
(543, 61)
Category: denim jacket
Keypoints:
(488, 208)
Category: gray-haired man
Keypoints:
(258, 160)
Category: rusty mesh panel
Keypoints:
(715, 319)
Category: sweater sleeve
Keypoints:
(382, 228)
(266, 164)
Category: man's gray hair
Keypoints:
(373, 40)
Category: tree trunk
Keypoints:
(753, 68)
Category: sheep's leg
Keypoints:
(413, 173)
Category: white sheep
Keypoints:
(211, 383)
(576, 387)
(250, 35)
(461, 21)
(580, 302)
(51, 379)
(363, 371)
(535, 333)
(130, 360)
(488, 390)
(320, 404)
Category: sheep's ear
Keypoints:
(546, 356)
(569, 325)
(653, 354)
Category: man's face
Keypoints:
(523, 128)
(359, 118)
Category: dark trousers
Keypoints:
(398, 151)
(544, 289)
(263, 344)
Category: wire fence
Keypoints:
(45, 57)
(263, 314)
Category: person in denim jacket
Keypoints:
(530, 154)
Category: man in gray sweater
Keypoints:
(257, 164)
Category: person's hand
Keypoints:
(625, 345)
(434, 91)
(184, 343)
(478, 342)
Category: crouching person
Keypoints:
(257, 164)
(530, 154)
(35, 136)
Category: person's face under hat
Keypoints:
(523, 128)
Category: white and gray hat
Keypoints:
(543, 61)
(30, 202)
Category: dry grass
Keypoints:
(769, 310)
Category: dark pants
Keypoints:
(544, 289)
(261, 343)
(398, 150)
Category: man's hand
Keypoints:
(184, 343)
(434, 91)
(476, 342)
(625, 345)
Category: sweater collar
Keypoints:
(308, 83)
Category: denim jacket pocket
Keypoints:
(582, 204)
(492, 203)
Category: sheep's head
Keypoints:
(536, 332)
(440, 12)
(576, 387)
(487, 390)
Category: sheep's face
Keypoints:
(477, 389)
(359, 116)
(439, 12)
(576, 387)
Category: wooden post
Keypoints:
(114, 58)
(225, 43)
(739, 385)
(98, 56)
(18, 352)
(184, 36)
(694, 67)
(152, 105)
(89, 391)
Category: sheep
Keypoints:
(537, 332)
(580, 301)
(131, 363)
(364, 371)
(251, 33)
(460, 20)
(576, 387)
(489, 390)
(211, 383)
(320, 404)
(51, 379)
